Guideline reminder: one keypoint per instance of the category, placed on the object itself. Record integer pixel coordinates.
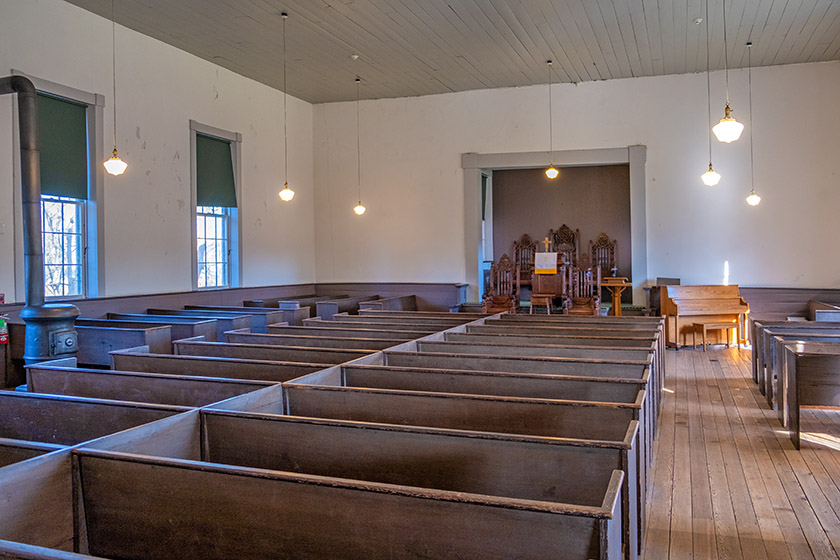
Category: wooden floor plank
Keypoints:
(727, 482)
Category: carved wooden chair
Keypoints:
(584, 289)
(567, 244)
(603, 252)
(503, 293)
(523, 256)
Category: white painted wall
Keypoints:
(159, 89)
(412, 183)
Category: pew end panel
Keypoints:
(37, 499)
(270, 400)
(176, 437)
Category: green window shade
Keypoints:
(214, 172)
(64, 158)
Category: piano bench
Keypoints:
(705, 326)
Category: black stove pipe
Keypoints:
(49, 327)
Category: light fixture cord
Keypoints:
(358, 144)
(550, 123)
(749, 89)
(114, 64)
(285, 95)
(725, 54)
(708, 87)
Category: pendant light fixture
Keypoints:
(114, 165)
(711, 177)
(359, 209)
(728, 129)
(752, 199)
(552, 171)
(286, 194)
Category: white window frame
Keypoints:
(235, 215)
(82, 228)
(94, 219)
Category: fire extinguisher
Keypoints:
(4, 330)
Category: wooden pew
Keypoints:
(395, 303)
(193, 347)
(224, 321)
(69, 421)
(820, 311)
(450, 460)
(16, 450)
(514, 338)
(682, 305)
(139, 359)
(332, 330)
(430, 314)
(432, 322)
(95, 342)
(326, 309)
(811, 378)
(373, 325)
(246, 337)
(182, 327)
(757, 327)
(774, 342)
(157, 337)
(549, 350)
(62, 377)
(273, 514)
(260, 317)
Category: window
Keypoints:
(213, 238)
(64, 158)
(216, 215)
(62, 229)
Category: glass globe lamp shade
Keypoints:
(753, 199)
(552, 172)
(114, 165)
(286, 194)
(728, 129)
(710, 178)
(359, 209)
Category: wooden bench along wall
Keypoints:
(62, 377)
(682, 305)
(767, 361)
(811, 378)
(139, 359)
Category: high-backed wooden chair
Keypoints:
(503, 294)
(584, 289)
(603, 253)
(567, 244)
(523, 256)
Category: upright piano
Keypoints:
(682, 305)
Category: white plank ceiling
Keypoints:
(421, 47)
